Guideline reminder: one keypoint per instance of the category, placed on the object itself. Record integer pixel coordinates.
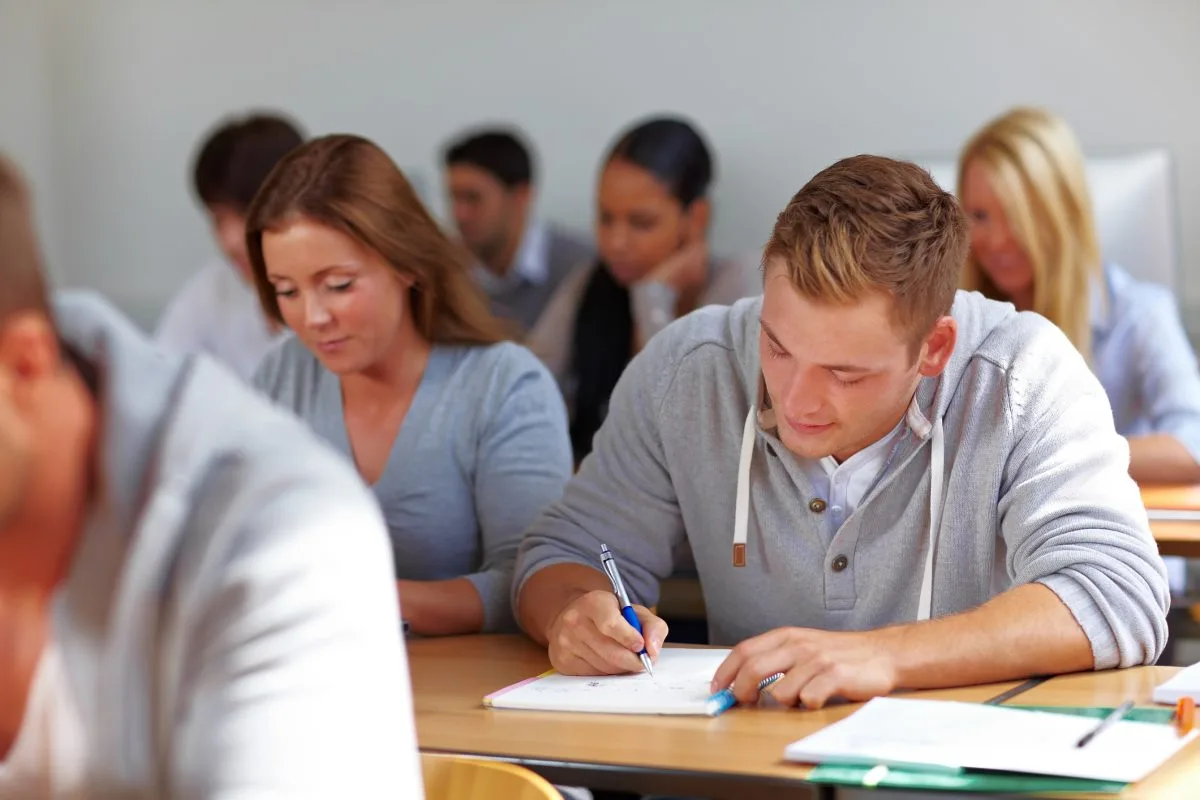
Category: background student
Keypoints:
(217, 311)
(521, 258)
(397, 362)
(1033, 242)
(654, 265)
(194, 595)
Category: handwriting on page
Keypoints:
(680, 686)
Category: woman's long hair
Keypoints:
(1037, 169)
(351, 185)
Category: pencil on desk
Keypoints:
(1114, 717)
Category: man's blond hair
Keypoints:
(872, 224)
(22, 285)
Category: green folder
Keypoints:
(983, 781)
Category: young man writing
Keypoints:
(196, 598)
(885, 484)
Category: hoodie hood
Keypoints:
(136, 387)
(924, 420)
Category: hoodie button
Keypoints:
(840, 563)
(816, 505)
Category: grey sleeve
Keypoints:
(1071, 516)
(623, 495)
(523, 462)
(295, 672)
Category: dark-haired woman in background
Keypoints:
(398, 363)
(654, 265)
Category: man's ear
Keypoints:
(938, 347)
(698, 215)
(29, 346)
(522, 196)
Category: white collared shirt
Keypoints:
(218, 313)
(844, 485)
(49, 756)
(531, 264)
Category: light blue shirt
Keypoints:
(530, 263)
(843, 486)
(482, 450)
(1142, 357)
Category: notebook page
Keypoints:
(897, 731)
(680, 686)
(1185, 683)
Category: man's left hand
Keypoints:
(817, 666)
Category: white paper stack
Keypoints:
(949, 735)
(1185, 683)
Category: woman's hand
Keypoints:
(685, 269)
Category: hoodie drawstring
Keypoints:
(741, 512)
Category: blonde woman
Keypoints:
(1022, 183)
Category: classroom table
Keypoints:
(1174, 518)
(736, 755)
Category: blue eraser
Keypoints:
(720, 702)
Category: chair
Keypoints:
(457, 778)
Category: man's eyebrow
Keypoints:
(852, 368)
(845, 368)
(771, 335)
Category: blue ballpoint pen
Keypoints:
(614, 576)
(724, 699)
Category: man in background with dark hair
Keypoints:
(217, 311)
(490, 180)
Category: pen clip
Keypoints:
(614, 576)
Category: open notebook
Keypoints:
(956, 736)
(680, 686)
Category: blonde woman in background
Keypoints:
(1022, 182)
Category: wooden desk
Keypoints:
(1174, 518)
(738, 754)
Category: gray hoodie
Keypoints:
(229, 626)
(1034, 488)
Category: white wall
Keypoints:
(782, 87)
(25, 111)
